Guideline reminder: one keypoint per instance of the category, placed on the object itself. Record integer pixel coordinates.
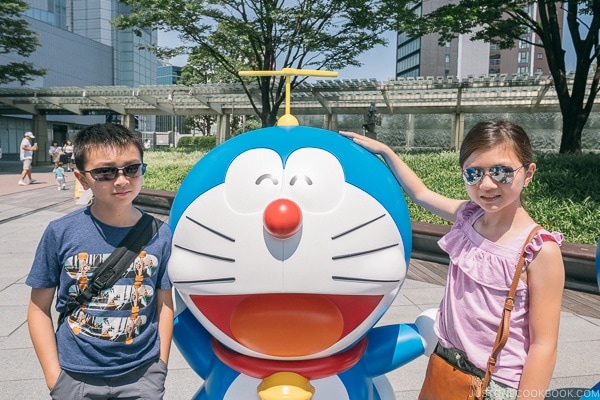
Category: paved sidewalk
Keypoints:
(10, 173)
(25, 212)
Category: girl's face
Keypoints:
(493, 195)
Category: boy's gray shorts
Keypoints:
(146, 382)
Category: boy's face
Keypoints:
(119, 191)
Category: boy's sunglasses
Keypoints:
(110, 173)
(499, 173)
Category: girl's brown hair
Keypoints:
(487, 135)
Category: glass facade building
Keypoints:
(78, 48)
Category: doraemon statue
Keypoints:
(594, 393)
(289, 244)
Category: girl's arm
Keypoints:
(41, 331)
(164, 304)
(414, 187)
(546, 279)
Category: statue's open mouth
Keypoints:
(286, 324)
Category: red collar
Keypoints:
(310, 369)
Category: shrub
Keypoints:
(202, 143)
(564, 195)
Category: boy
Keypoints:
(59, 174)
(117, 344)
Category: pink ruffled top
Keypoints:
(479, 277)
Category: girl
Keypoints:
(55, 152)
(484, 243)
(67, 157)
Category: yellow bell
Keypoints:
(285, 386)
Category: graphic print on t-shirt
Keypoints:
(128, 294)
(113, 329)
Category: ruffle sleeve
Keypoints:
(538, 241)
(487, 263)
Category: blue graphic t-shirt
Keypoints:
(117, 330)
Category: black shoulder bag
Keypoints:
(113, 268)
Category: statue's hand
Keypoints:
(424, 323)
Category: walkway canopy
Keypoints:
(432, 95)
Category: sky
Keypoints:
(378, 63)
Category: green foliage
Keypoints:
(167, 168)
(564, 195)
(17, 38)
(201, 143)
(251, 124)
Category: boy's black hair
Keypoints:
(103, 135)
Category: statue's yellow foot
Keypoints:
(285, 386)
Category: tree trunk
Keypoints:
(572, 127)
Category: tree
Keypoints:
(202, 69)
(16, 37)
(505, 23)
(265, 35)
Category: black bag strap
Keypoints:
(113, 268)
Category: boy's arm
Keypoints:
(41, 331)
(164, 305)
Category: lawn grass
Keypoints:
(564, 195)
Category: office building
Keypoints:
(462, 57)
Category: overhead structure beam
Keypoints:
(431, 95)
(26, 107)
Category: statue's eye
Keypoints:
(253, 179)
(314, 178)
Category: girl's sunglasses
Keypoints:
(499, 173)
(110, 173)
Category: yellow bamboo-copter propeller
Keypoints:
(288, 119)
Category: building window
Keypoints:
(409, 47)
(523, 57)
(447, 58)
(523, 44)
(523, 70)
(540, 56)
(448, 43)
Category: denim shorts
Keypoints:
(144, 383)
(458, 358)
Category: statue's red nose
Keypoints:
(282, 218)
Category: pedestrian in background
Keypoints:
(55, 152)
(67, 155)
(59, 174)
(26, 155)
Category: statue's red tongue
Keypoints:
(289, 325)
